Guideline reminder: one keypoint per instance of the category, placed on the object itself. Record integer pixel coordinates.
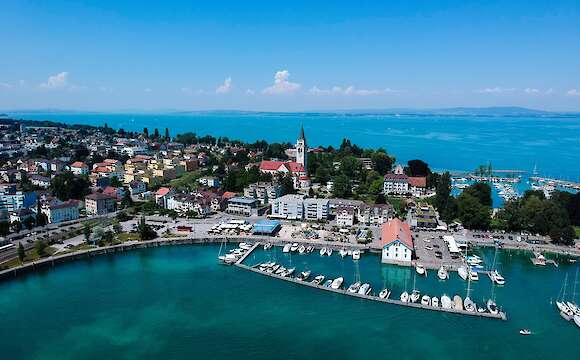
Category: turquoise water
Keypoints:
(177, 303)
(445, 142)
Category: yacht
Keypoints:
(301, 249)
(245, 246)
(572, 307)
(420, 269)
(415, 295)
(365, 289)
(267, 246)
(435, 301)
(303, 275)
(469, 305)
(294, 247)
(405, 297)
(353, 288)
(567, 315)
(492, 307)
(318, 279)
(525, 332)
(328, 283)
(343, 252)
(442, 273)
(289, 272)
(337, 283)
(328, 251)
(462, 272)
(356, 255)
(457, 303)
(577, 320)
(446, 302)
(562, 306)
(323, 251)
(425, 300)
(384, 294)
(473, 276)
(286, 248)
(496, 277)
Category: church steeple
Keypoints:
(301, 136)
(301, 149)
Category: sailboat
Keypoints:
(494, 275)
(572, 304)
(415, 294)
(560, 303)
(468, 304)
(442, 273)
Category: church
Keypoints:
(297, 169)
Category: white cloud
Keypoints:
(350, 90)
(281, 84)
(225, 87)
(531, 91)
(573, 92)
(250, 92)
(495, 90)
(58, 81)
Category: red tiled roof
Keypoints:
(66, 204)
(228, 195)
(396, 230)
(418, 181)
(294, 167)
(79, 164)
(163, 191)
(271, 165)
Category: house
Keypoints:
(345, 216)
(184, 203)
(59, 211)
(243, 206)
(137, 187)
(418, 185)
(296, 207)
(396, 242)
(100, 204)
(263, 191)
(12, 199)
(396, 184)
(161, 196)
(22, 215)
(79, 168)
(367, 163)
(377, 214)
(209, 181)
(40, 181)
(117, 192)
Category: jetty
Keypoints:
(499, 316)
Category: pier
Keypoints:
(499, 316)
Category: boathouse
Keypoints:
(397, 242)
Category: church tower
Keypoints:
(302, 149)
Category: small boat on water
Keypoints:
(435, 301)
(384, 294)
(303, 275)
(343, 252)
(457, 303)
(337, 283)
(280, 270)
(328, 251)
(496, 277)
(275, 267)
(318, 279)
(289, 272)
(356, 255)
(492, 307)
(301, 249)
(420, 269)
(425, 300)
(328, 283)
(267, 246)
(525, 332)
(567, 314)
(245, 246)
(323, 251)
(294, 247)
(353, 288)
(572, 306)
(286, 248)
(473, 276)
(446, 302)
(310, 249)
(562, 306)
(442, 273)
(405, 297)
(365, 289)
(577, 320)
(469, 305)
(462, 272)
(415, 295)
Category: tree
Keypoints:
(87, 232)
(29, 222)
(383, 162)
(97, 234)
(41, 218)
(68, 186)
(287, 185)
(117, 227)
(16, 226)
(146, 133)
(418, 168)
(472, 213)
(481, 191)
(145, 231)
(167, 138)
(341, 187)
(21, 252)
(380, 199)
(310, 192)
(156, 134)
(40, 247)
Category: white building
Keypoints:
(243, 206)
(345, 216)
(377, 214)
(265, 191)
(396, 184)
(209, 181)
(397, 242)
(296, 207)
(302, 150)
(61, 211)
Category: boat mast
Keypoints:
(575, 282)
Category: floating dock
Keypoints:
(500, 316)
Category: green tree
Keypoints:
(146, 133)
(472, 213)
(16, 226)
(21, 252)
(167, 138)
(41, 218)
(287, 185)
(40, 247)
(417, 168)
(68, 186)
(481, 191)
(383, 162)
(117, 227)
(87, 232)
(341, 187)
(145, 231)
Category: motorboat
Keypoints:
(280, 270)
(577, 320)
(337, 283)
(567, 315)
(525, 332)
(415, 295)
(384, 294)
(303, 275)
(480, 310)
(343, 252)
(473, 276)
(446, 302)
(245, 246)
(492, 307)
(267, 246)
(435, 301)
(469, 305)
(328, 251)
(457, 303)
(442, 273)
(425, 300)
(420, 269)
(353, 288)
(294, 247)
(323, 251)
(462, 272)
(301, 249)
(356, 255)
(496, 277)
(310, 249)
(405, 297)
(286, 248)
(365, 289)
(289, 272)
(328, 283)
(318, 279)
(275, 267)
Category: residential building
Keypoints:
(61, 211)
(418, 185)
(296, 207)
(79, 168)
(397, 242)
(377, 214)
(100, 204)
(396, 184)
(424, 216)
(345, 216)
(40, 181)
(12, 199)
(137, 187)
(161, 196)
(263, 191)
(316, 209)
(22, 215)
(209, 181)
(243, 206)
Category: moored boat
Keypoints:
(365, 289)
(457, 303)
(318, 279)
(405, 297)
(301, 249)
(415, 295)
(353, 288)
(356, 255)
(303, 275)
(492, 307)
(294, 247)
(577, 320)
(384, 294)
(286, 248)
(446, 302)
(425, 300)
(420, 269)
(328, 283)
(328, 251)
(469, 305)
(442, 273)
(435, 301)
(343, 252)
(462, 272)
(337, 283)
(323, 251)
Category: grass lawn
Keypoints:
(577, 228)
(187, 179)
(31, 255)
(123, 237)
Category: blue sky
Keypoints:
(290, 56)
